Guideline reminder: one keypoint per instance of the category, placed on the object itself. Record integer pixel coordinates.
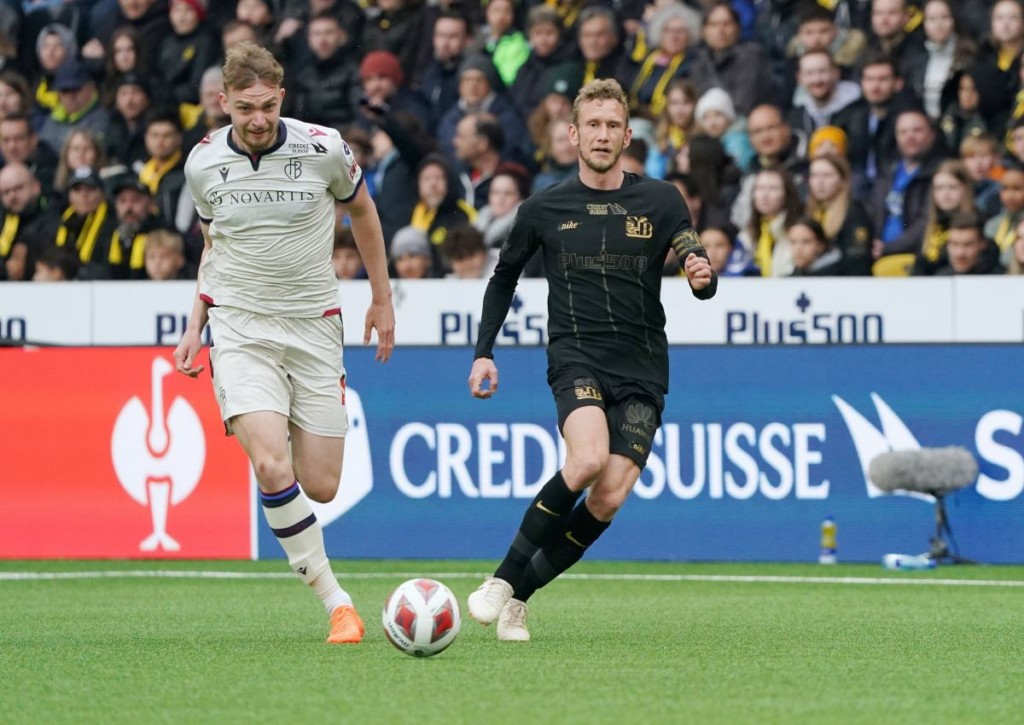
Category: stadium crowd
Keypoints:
(808, 137)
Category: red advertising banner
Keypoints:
(109, 453)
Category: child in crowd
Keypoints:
(812, 256)
(466, 254)
(56, 264)
(1000, 228)
(980, 156)
(716, 116)
(165, 255)
(411, 254)
(720, 242)
(348, 264)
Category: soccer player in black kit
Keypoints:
(604, 235)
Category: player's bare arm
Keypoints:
(370, 241)
(192, 340)
(698, 271)
(484, 371)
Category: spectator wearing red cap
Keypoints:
(188, 51)
(384, 89)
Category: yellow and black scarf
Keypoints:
(85, 242)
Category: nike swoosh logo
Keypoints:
(545, 509)
(570, 537)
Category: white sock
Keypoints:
(295, 526)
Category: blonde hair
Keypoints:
(832, 214)
(980, 144)
(63, 174)
(600, 89)
(165, 239)
(247, 64)
(936, 231)
(956, 169)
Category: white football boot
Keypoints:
(512, 622)
(485, 604)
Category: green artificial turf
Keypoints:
(611, 649)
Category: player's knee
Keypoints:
(605, 504)
(584, 468)
(273, 473)
(321, 489)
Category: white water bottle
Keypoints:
(907, 562)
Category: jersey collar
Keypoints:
(254, 158)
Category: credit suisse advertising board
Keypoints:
(109, 453)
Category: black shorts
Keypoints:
(633, 409)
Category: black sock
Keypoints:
(544, 518)
(581, 530)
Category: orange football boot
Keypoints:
(346, 626)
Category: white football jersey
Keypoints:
(271, 218)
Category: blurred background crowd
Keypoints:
(808, 137)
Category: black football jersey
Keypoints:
(603, 258)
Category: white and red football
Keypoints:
(421, 617)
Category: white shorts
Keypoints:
(288, 365)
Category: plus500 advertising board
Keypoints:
(757, 446)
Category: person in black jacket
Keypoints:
(870, 123)
(125, 139)
(324, 86)
(899, 200)
(29, 225)
(19, 143)
(439, 79)
(188, 51)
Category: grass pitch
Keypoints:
(627, 643)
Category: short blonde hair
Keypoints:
(600, 89)
(981, 143)
(165, 239)
(247, 64)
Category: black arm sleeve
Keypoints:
(519, 246)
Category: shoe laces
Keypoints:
(494, 591)
(516, 615)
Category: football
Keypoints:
(421, 617)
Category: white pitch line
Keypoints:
(728, 578)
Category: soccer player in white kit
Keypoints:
(265, 188)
